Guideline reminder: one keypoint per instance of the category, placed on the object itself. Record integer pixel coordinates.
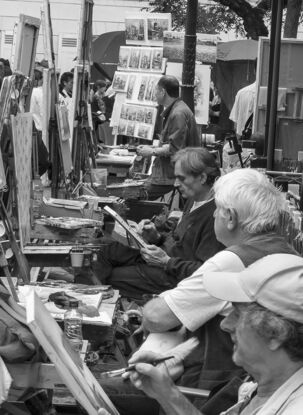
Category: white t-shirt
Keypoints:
(36, 107)
(243, 106)
(190, 295)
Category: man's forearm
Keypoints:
(177, 404)
(161, 151)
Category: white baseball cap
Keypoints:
(275, 282)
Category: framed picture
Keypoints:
(201, 93)
(150, 115)
(120, 81)
(206, 47)
(130, 86)
(130, 130)
(144, 131)
(122, 127)
(173, 46)
(156, 25)
(140, 114)
(124, 52)
(135, 30)
(157, 60)
(124, 112)
(145, 59)
(150, 92)
(142, 88)
(134, 58)
(132, 113)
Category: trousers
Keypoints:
(123, 268)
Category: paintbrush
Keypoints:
(119, 372)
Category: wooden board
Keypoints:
(22, 145)
(71, 369)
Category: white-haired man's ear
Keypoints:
(232, 219)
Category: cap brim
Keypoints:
(225, 286)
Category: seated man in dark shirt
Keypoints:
(176, 254)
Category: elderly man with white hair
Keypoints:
(247, 218)
(266, 327)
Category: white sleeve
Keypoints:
(190, 302)
(234, 111)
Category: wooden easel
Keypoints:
(84, 144)
(60, 153)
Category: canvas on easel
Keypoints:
(74, 373)
(25, 44)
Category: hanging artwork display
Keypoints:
(137, 121)
(146, 28)
(173, 47)
(139, 88)
(143, 59)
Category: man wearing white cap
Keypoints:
(266, 326)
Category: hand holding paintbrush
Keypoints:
(119, 372)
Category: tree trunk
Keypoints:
(292, 18)
(252, 17)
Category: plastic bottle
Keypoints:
(73, 325)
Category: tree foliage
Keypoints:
(236, 15)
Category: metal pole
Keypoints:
(272, 119)
(188, 74)
(272, 41)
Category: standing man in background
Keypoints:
(179, 131)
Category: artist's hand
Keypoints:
(154, 381)
(155, 256)
(145, 151)
(148, 231)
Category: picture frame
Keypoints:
(157, 61)
(206, 47)
(135, 30)
(145, 59)
(131, 86)
(124, 53)
(156, 26)
(134, 58)
(120, 81)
